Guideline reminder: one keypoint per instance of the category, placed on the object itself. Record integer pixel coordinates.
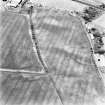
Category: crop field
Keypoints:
(66, 51)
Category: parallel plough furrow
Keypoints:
(69, 72)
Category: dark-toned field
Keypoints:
(66, 50)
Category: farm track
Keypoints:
(65, 49)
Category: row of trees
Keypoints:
(98, 42)
(89, 14)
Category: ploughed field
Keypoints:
(66, 50)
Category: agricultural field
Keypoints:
(64, 47)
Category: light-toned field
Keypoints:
(66, 50)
